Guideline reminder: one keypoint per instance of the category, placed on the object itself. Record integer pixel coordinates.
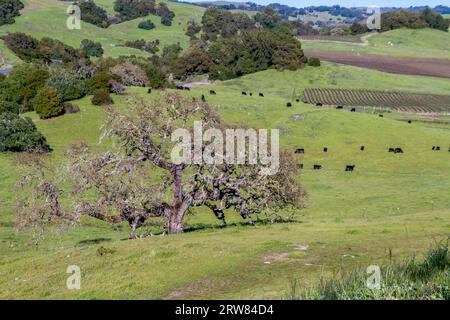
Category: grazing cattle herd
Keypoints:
(348, 168)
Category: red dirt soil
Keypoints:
(410, 66)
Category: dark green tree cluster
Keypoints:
(19, 134)
(249, 51)
(19, 89)
(91, 13)
(47, 50)
(8, 10)
(146, 25)
(193, 29)
(91, 48)
(405, 19)
(218, 22)
(166, 15)
(148, 46)
(132, 9)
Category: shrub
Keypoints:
(8, 10)
(68, 85)
(99, 81)
(91, 13)
(17, 91)
(116, 87)
(28, 49)
(101, 97)
(314, 62)
(130, 75)
(146, 25)
(166, 21)
(149, 46)
(19, 134)
(91, 48)
(47, 103)
(71, 108)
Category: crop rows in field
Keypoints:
(398, 101)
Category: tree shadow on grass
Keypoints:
(89, 242)
(210, 226)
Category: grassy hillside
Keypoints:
(35, 22)
(420, 43)
(396, 203)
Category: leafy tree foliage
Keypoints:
(21, 86)
(91, 48)
(47, 103)
(101, 98)
(130, 75)
(8, 10)
(148, 46)
(217, 22)
(132, 9)
(19, 134)
(146, 25)
(69, 86)
(405, 19)
(91, 13)
(100, 81)
(193, 29)
(314, 62)
(29, 49)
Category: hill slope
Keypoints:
(391, 201)
(420, 43)
(35, 21)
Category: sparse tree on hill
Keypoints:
(137, 182)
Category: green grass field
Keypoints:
(35, 22)
(391, 205)
(420, 43)
(396, 203)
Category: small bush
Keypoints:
(91, 48)
(314, 62)
(166, 21)
(101, 97)
(19, 134)
(48, 103)
(71, 108)
(8, 10)
(146, 25)
(99, 81)
(69, 86)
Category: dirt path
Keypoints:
(409, 66)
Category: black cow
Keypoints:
(261, 95)
(350, 168)
(149, 91)
(362, 148)
(203, 98)
(317, 167)
(300, 165)
(180, 88)
(353, 110)
(297, 100)
(380, 115)
(299, 150)
(288, 104)
(325, 149)
(212, 92)
(434, 148)
(244, 93)
(339, 107)
(398, 150)
(409, 121)
(251, 94)
(319, 104)
(187, 88)
(438, 148)
(391, 150)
